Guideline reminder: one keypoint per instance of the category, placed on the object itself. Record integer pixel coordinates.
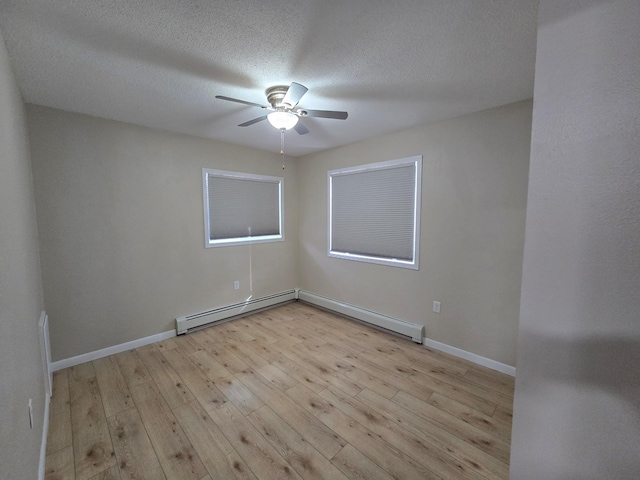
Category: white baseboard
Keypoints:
(472, 357)
(338, 307)
(105, 352)
(43, 443)
(400, 326)
(412, 330)
(211, 317)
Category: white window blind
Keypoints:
(374, 212)
(240, 208)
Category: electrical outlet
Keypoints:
(436, 307)
(236, 285)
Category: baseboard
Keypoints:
(188, 323)
(45, 433)
(409, 329)
(324, 302)
(472, 357)
(400, 326)
(105, 352)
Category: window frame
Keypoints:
(413, 264)
(208, 243)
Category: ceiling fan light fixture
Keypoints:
(282, 120)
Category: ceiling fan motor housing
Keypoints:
(283, 113)
(276, 94)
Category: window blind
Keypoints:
(373, 212)
(237, 204)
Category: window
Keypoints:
(374, 212)
(241, 208)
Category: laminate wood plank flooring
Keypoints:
(92, 447)
(293, 447)
(294, 392)
(169, 382)
(59, 465)
(355, 465)
(261, 457)
(218, 455)
(113, 388)
(60, 424)
(174, 451)
(136, 458)
(381, 451)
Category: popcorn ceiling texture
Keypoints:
(391, 65)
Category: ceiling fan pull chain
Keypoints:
(282, 146)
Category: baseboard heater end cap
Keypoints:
(419, 336)
(181, 327)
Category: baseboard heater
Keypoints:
(190, 322)
(409, 329)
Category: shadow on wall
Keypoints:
(562, 10)
(611, 364)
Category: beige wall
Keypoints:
(21, 376)
(577, 402)
(474, 190)
(120, 219)
(121, 234)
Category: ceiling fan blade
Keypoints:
(323, 114)
(251, 122)
(229, 99)
(301, 129)
(294, 94)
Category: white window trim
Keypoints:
(415, 264)
(208, 243)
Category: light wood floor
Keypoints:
(293, 392)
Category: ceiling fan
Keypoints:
(284, 114)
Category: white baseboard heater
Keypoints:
(189, 322)
(413, 330)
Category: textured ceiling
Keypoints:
(391, 65)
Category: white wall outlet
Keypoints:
(436, 307)
(236, 285)
(30, 414)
